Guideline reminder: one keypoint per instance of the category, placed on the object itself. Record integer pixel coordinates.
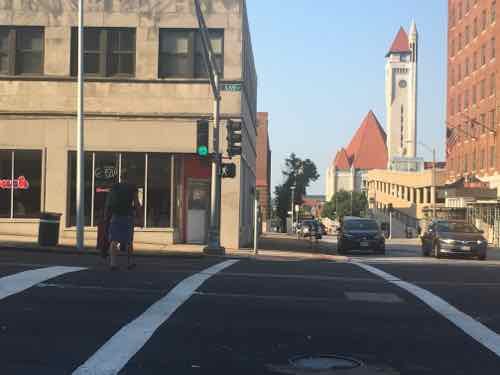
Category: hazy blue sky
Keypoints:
(320, 66)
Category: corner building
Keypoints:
(146, 88)
(472, 117)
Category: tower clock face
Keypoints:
(403, 84)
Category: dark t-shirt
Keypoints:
(121, 199)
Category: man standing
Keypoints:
(122, 205)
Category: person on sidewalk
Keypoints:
(122, 205)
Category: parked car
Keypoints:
(360, 234)
(454, 237)
(310, 228)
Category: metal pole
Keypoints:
(214, 246)
(293, 205)
(255, 225)
(80, 156)
(434, 182)
(390, 225)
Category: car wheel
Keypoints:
(482, 256)
(437, 251)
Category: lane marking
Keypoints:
(120, 348)
(464, 322)
(373, 297)
(21, 281)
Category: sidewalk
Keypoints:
(271, 246)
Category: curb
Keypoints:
(93, 252)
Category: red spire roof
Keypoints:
(367, 149)
(342, 160)
(401, 43)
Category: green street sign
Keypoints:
(202, 151)
(233, 87)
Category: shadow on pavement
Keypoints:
(288, 243)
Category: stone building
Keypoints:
(146, 88)
(264, 170)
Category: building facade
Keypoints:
(264, 170)
(401, 95)
(472, 120)
(367, 150)
(146, 88)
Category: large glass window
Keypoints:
(109, 52)
(5, 183)
(181, 53)
(159, 191)
(151, 173)
(106, 174)
(20, 183)
(21, 50)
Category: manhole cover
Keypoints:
(324, 362)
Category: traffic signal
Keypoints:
(202, 129)
(228, 170)
(234, 138)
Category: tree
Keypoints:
(341, 205)
(299, 173)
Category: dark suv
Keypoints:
(360, 234)
(453, 237)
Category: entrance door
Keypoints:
(197, 211)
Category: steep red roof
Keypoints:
(368, 149)
(342, 160)
(401, 43)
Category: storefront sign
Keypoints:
(106, 173)
(20, 183)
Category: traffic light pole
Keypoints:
(213, 246)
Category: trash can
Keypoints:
(48, 231)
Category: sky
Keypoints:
(320, 66)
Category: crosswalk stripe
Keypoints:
(120, 348)
(21, 281)
(466, 323)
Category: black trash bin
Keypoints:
(48, 231)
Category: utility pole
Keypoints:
(80, 142)
(293, 206)
(433, 188)
(213, 246)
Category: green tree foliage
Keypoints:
(299, 173)
(341, 205)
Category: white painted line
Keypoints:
(466, 323)
(21, 281)
(373, 297)
(118, 350)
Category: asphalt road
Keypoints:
(64, 314)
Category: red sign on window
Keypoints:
(20, 183)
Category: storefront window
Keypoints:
(134, 166)
(27, 183)
(72, 188)
(5, 179)
(106, 174)
(103, 169)
(159, 191)
(20, 183)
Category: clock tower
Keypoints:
(401, 96)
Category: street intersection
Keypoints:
(68, 314)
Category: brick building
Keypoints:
(146, 88)
(264, 169)
(472, 118)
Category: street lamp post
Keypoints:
(293, 205)
(80, 152)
